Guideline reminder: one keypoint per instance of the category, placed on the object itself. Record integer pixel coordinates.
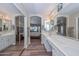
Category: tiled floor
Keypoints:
(12, 50)
(34, 49)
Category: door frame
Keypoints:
(19, 30)
(76, 29)
(30, 25)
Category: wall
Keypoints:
(35, 20)
(70, 26)
(72, 22)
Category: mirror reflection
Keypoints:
(5, 24)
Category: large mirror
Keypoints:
(48, 25)
(5, 24)
(0, 24)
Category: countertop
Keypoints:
(66, 45)
(4, 33)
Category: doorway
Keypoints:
(19, 22)
(61, 23)
(35, 28)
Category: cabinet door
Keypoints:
(7, 41)
(12, 39)
(0, 44)
(4, 42)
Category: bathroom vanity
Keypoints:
(7, 39)
(7, 33)
(60, 45)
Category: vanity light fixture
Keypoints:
(59, 7)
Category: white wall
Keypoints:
(28, 29)
(25, 33)
(72, 22)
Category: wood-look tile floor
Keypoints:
(13, 50)
(34, 49)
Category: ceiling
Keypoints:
(43, 9)
(8, 9)
(39, 8)
(70, 9)
(11, 9)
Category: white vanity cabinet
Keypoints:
(7, 40)
(46, 44)
(50, 46)
(2, 43)
(12, 39)
(56, 51)
(61, 45)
